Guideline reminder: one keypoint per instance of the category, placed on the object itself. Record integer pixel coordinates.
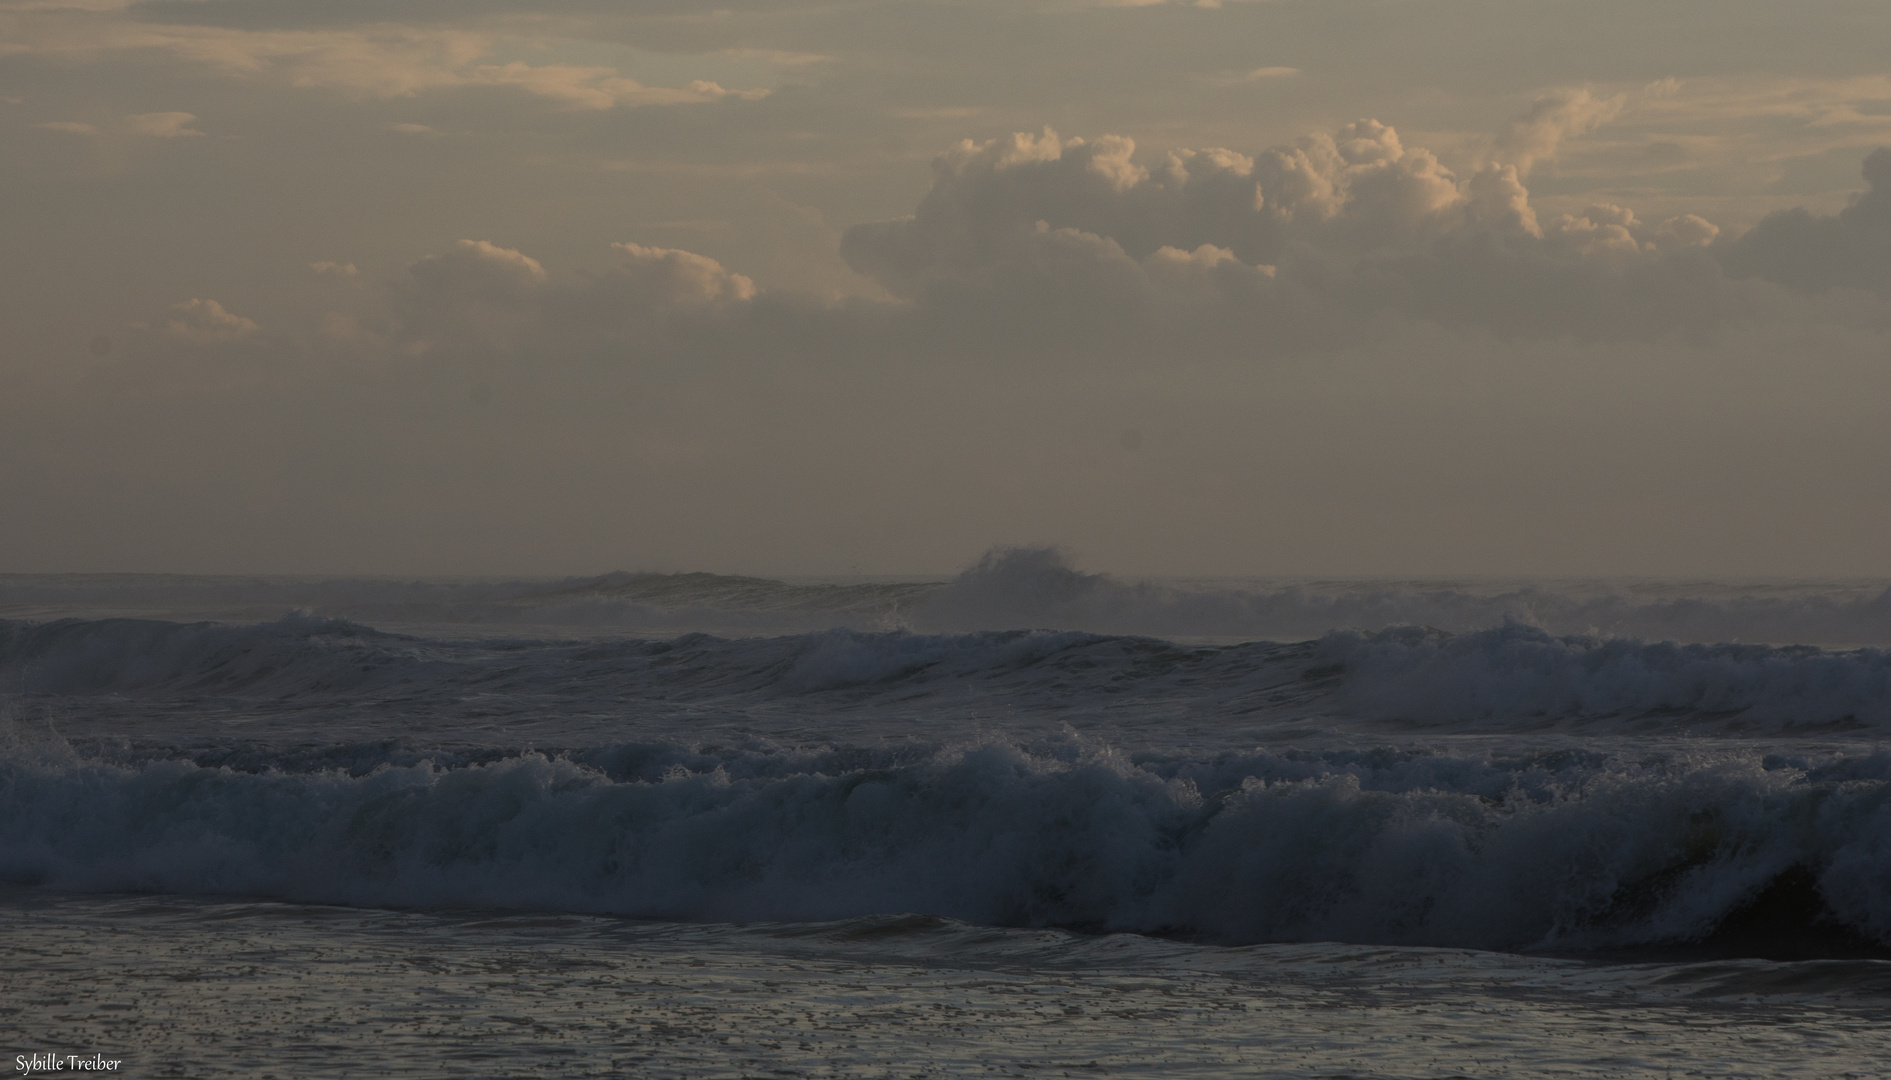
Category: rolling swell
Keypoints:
(1513, 678)
(1564, 851)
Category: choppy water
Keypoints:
(1025, 817)
(194, 987)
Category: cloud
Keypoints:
(1053, 249)
(343, 270)
(377, 61)
(1807, 103)
(486, 394)
(988, 199)
(1355, 191)
(1851, 248)
(205, 322)
(1552, 118)
(476, 291)
(1297, 244)
(946, 112)
(1247, 77)
(1688, 230)
(1336, 351)
(162, 125)
(1275, 72)
(412, 129)
(778, 57)
(480, 293)
(483, 264)
(1747, 134)
(598, 87)
(1363, 328)
(670, 276)
(1211, 4)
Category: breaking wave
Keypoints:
(1039, 587)
(792, 778)
(1563, 850)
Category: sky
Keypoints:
(1288, 287)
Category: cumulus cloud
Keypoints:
(1295, 244)
(336, 269)
(1041, 247)
(480, 292)
(671, 276)
(1809, 251)
(73, 126)
(1035, 245)
(493, 269)
(1688, 230)
(1356, 191)
(205, 322)
(1044, 247)
(1411, 358)
(477, 290)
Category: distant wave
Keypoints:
(1565, 850)
(1514, 678)
(1039, 587)
(726, 593)
(1502, 679)
(1008, 589)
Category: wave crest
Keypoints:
(1538, 853)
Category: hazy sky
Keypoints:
(1299, 286)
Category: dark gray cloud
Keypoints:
(1812, 251)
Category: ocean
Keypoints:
(1021, 821)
